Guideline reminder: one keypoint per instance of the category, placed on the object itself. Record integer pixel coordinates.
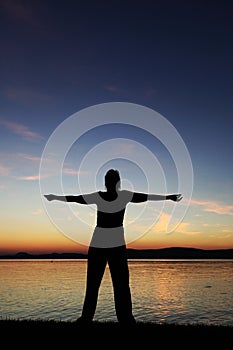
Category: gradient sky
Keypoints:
(59, 57)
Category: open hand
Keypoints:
(49, 197)
(175, 197)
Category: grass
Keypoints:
(100, 332)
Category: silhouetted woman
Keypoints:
(108, 245)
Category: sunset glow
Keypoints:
(57, 63)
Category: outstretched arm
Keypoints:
(143, 197)
(157, 197)
(76, 199)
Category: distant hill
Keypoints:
(24, 255)
(180, 253)
(164, 253)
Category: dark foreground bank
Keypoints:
(111, 333)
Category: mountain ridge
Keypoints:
(162, 253)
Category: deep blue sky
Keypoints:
(58, 57)
(176, 57)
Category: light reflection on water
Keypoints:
(174, 291)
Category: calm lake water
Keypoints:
(171, 291)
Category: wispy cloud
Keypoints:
(20, 166)
(4, 170)
(183, 227)
(114, 88)
(70, 171)
(21, 130)
(161, 224)
(28, 178)
(120, 148)
(26, 96)
(2, 187)
(31, 177)
(186, 228)
(214, 207)
(29, 157)
(38, 211)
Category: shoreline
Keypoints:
(185, 253)
(99, 330)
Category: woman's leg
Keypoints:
(118, 266)
(95, 270)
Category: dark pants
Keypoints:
(118, 265)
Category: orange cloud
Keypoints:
(214, 207)
(183, 227)
(28, 178)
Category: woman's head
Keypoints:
(112, 179)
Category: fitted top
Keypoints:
(111, 206)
